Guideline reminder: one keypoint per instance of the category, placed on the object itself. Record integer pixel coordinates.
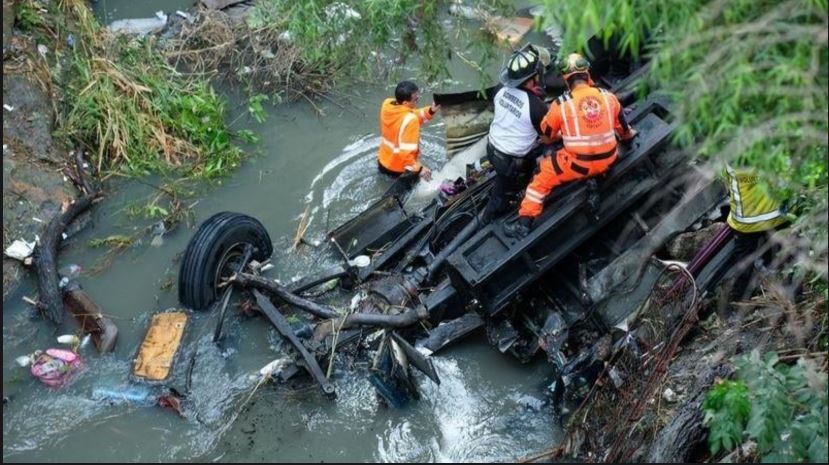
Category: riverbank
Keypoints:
(663, 405)
(69, 84)
(33, 186)
(338, 172)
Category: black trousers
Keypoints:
(747, 248)
(511, 175)
(403, 182)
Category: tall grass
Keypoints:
(133, 111)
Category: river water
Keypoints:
(327, 163)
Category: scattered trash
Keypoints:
(37, 220)
(54, 367)
(531, 403)
(139, 26)
(20, 249)
(97, 327)
(137, 395)
(43, 50)
(64, 281)
(69, 339)
(159, 228)
(360, 261)
(70, 271)
(669, 395)
(157, 241)
(172, 401)
(70, 40)
(25, 360)
(615, 377)
(274, 367)
(7, 107)
(449, 188)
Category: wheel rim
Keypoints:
(228, 263)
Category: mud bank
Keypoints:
(33, 186)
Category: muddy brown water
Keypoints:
(327, 163)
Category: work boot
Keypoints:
(519, 229)
(593, 199)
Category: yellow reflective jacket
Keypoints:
(752, 209)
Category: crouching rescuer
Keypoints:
(587, 119)
(400, 122)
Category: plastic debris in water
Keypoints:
(54, 367)
(360, 261)
(20, 249)
(69, 339)
(70, 271)
(274, 366)
(24, 360)
(138, 395)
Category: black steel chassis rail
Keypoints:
(284, 328)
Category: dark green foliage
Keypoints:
(750, 82)
(726, 412)
(783, 408)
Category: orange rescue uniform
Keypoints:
(400, 136)
(587, 120)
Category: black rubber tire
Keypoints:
(215, 237)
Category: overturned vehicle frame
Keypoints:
(430, 277)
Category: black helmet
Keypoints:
(521, 66)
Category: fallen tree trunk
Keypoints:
(50, 299)
(682, 439)
(401, 320)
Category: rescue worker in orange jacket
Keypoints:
(587, 119)
(400, 122)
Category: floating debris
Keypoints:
(20, 249)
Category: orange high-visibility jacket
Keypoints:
(586, 118)
(400, 136)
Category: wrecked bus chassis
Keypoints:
(440, 268)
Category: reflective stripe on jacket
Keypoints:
(587, 119)
(752, 210)
(400, 136)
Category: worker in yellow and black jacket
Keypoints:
(753, 214)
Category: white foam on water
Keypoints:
(453, 169)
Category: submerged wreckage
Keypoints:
(424, 279)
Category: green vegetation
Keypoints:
(362, 36)
(749, 79)
(783, 408)
(126, 105)
(292, 49)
